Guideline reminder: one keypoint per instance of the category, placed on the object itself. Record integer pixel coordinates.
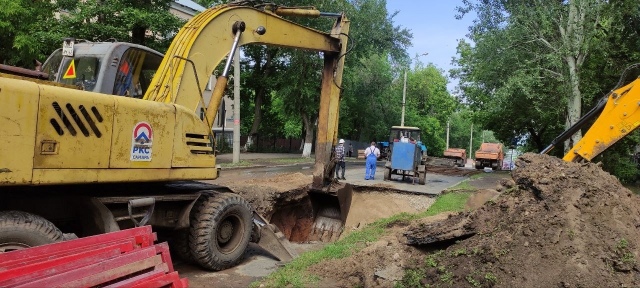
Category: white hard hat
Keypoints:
(341, 141)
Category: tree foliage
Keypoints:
(533, 65)
(429, 105)
(145, 22)
(33, 29)
(26, 27)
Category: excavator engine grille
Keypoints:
(68, 113)
(198, 143)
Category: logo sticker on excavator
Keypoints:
(71, 71)
(141, 142)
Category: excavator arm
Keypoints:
(214, 34)
(618, 114)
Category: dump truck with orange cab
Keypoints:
(489, 155)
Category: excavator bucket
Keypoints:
(330, 209)
(271, 239)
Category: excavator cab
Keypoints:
(117, 68)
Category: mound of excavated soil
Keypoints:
(556, 224)
(561, 225)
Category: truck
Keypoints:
(489, 155)
(116, 138)
(407, 154)
(457, 155)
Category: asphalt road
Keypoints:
(354, 174)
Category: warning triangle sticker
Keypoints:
(71, 71)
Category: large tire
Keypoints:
(20, 230)
(498, 165)
(220, 230)
(180, 245)
(479, 165)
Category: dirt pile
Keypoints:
(557, 224)
(451, 171)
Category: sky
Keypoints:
(435, 30)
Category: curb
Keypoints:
(242, 167)
(264, 166)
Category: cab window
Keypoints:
(52, 65)
(86, 72)
(135, 71)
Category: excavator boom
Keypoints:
(618, 114)
(236, 26)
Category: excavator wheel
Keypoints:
(179, 245)
(20, 230)
(220, 230)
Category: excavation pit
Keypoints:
(295, 218)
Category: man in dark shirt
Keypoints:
(340, 159)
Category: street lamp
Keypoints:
(404, 90)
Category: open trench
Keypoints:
(295, 218)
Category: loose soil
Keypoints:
(283, 200)
(367, 207)
(268, 193)
(451, 171)
(554, 224)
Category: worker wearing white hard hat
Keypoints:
(339, 158)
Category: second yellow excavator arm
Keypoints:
(618, 114)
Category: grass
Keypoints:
(476, 176)
(294, 273)
(241, 163)
(246, 163)
(293, 160)
(462, 186)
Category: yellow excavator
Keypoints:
(77, 159)
(616, 116)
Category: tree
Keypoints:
(369, 106)
(261, 69)
(374, 34)
(300, 91)
(529, 55)
(429, 105)
(27, 31)
(144, 22)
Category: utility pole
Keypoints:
(482, 136)
(447, 135)
(236, 106)
(404, 97)
(471, 141)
